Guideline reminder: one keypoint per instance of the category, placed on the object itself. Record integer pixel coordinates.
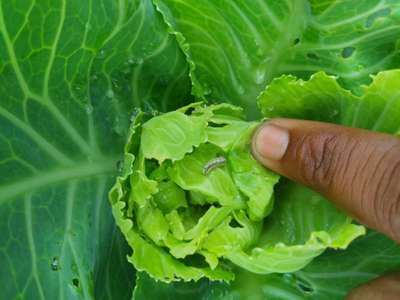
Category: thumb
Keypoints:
(356, 169)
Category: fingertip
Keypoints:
(270, 142)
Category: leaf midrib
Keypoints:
(80, 170)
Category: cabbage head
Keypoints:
(192, 202)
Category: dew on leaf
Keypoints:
(259, 76)
(134, 114)
(110, 93)
(206, 90)
(120, 166)
(240, 89)
(89, 109)
(101, 54)
(289, 277)
(55, 265)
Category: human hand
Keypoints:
(357, 169)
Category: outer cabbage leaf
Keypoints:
(235, 47)
(71, 73)
(322, 99)
(328, 277)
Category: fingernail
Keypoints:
(271, 141)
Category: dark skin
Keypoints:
(358, 170)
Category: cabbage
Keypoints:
(192, 202)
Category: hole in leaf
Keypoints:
(151, 165)
(75, 282)
(304, 286)
(376, 15)
(235, 224)
(313, 56)
(296, 41)
(216, 125)
(195, 260)
(348, 51)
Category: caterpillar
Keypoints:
(213, 164)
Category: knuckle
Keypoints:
(318, 155)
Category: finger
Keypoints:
(357, 169)
(383, 288)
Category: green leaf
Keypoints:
(301, 226)
(147, 231)
(169, 197)
(252, 179)
(330, 276)
(228, 213)
(172, 135)
(301, 213)
(71, 73)
(252, 42)
(145, 188)
(217, 186)
(323, 99)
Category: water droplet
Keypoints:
(102, 54)
(110, 93)
(259, 76)
(240, 89)
(134, 113)
(55, 265)
(155, 113)
(89, 109)
(94, 77)
(115, 83)
(140, 61)
(258, 251)
(270, 108)
(120, 166)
